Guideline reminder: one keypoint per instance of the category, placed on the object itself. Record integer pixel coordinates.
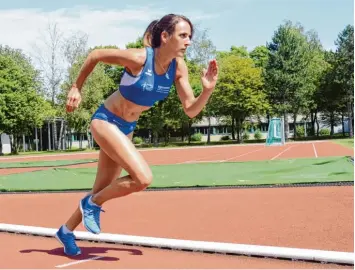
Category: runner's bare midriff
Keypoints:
(124, 108)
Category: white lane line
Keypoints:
(49, 155)
(315, 151)
(247, 153)
(200, 161)
(282, 152)
(77, 262)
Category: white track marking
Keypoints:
(201, 161)
(152, 150)
(282, 152)
(140, 150)
(315, 151)
(49, 155)
(198, 147)
(247, 153)
(77, 262)
(197, 246)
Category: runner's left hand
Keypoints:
(209, 77)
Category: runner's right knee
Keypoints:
(142, 178)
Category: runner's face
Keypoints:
(180, 39)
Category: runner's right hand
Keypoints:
(73, 99)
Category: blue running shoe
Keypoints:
(68, 241)
(91, 215)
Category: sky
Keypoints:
(229, 22)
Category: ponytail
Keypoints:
(152, 35)
(148, 33)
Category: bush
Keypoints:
(324, 132)
(299, 131)
(258, 135)
(197, 137)
(225, 138)
(246, 136)
(137, 140)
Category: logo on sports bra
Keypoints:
(147, 87)
(148, 72)
(163, 89)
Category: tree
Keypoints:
(201, 51)
(239, 91)
(202, 48)
(328, 97)
(22, 108)
(345, 68)
(240, 51)
(94, 90)
(174, 111)
(49, 57)
(74, 47)
(260, 56)
(291, 75)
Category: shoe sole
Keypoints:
(60, 241)
(82, 218)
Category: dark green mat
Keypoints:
(318, 170)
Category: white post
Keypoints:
(49, 136)
(23, 142)
(305, 128)
(36, 139)
(283, 130)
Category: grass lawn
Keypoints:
(275, 172)
(345, 142)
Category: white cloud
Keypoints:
(21, 28)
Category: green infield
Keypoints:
(276, 172)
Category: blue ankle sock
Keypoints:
(91, 202)
(66, 230)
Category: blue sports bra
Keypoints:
(148, 87)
